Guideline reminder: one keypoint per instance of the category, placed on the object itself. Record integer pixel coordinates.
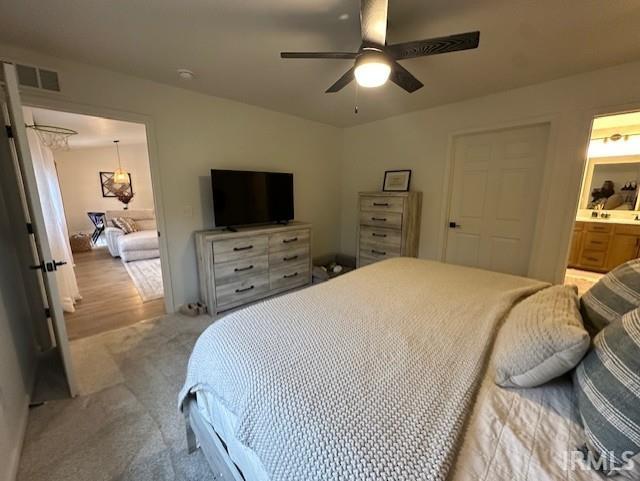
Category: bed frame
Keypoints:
(200, 434)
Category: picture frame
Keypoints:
(396, 181)
(109, 189)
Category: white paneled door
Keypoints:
(495, 192)
(43, 264)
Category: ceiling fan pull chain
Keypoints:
(355, 109)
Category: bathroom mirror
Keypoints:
(614, 186)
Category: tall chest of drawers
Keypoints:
(237, 268)
(389, 225)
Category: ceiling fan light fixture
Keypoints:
(372, 69)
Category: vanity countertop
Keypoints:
(609, 220)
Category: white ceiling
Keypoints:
(233, 46)
(92, 131)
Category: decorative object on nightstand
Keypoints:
(396, 181)
(389, 225)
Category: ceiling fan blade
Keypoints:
(336, 55)
(434, 46)
(404, 79)
(342, 82)
(373, 21)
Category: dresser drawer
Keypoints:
(388, 237)
(598, 227)
(592, 258)
(370, 257)
(289, 240)
(381, 219)
(232, 271)
(378, 252)
(228, 295)
(596, 241)
(371, 247)
(289, 256)
(382, 204)
(289, 275)
(627, 229)
(233, 249)
(365, 261)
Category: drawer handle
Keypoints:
(289, 276)
(596, 242)
(290, 258)
(381, 219)
(380, 253)
(592, 259)
(238, 291)
(242, 269)
(375, 234)
(246, 248)
(287, 241)
(381, 204)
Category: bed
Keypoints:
(379, 374)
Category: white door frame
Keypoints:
(551, 120)
(38, 100)
(573, 195)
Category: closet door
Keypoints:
(45, 265)
(497, 179)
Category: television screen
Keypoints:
(243, 197)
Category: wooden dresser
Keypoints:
(236, 268)
(602, 246)
(389, 225)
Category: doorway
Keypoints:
(606, 231)
(94, 180)
(495, 192)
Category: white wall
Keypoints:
(79, 177)
(17, 351)
(193, 133)
(420, 141)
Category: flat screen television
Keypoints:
(243, 197)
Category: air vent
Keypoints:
(37, 78)
(49, 80)
(27, 76)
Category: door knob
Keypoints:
(453, 225)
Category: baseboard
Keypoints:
(14, 461)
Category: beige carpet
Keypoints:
(147, 277)
(584, 280)
(125, 424)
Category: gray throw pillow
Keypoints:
(617, 293)
(607, 386)
(541, 339)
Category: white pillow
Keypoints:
(541, 339)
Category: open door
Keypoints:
(44, 263)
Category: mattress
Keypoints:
(512, 435)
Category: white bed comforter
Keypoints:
(523, 434)
(369, 376)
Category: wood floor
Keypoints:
(109, 298)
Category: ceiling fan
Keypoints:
(376, 62)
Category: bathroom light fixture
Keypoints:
(615, 145)
(120, 176)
